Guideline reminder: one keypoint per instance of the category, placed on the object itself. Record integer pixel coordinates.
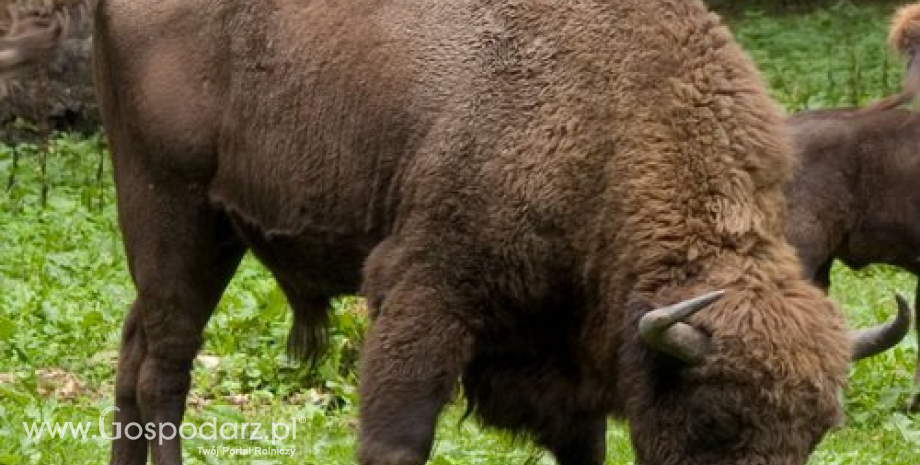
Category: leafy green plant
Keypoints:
(828, 58)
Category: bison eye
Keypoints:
(716, 427)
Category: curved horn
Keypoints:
(663, 329)
(873, 341)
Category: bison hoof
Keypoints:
(389, 455)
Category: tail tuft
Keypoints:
(308, 337)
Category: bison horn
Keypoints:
(664, 330)
(873, 341)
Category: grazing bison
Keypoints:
(536, 197)
(854, 196)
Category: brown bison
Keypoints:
(536, 197)
(854, 196)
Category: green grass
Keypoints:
(64, 291)
(831, 57)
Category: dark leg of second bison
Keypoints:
(414, 354)
(182, 255)
(585, 445)
(822, 277)
(915, 402)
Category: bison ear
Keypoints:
(663, 329)
(873, 341)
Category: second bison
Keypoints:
(855, 195)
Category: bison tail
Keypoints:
(308, 337)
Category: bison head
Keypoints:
(754, 380)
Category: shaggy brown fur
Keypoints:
(904, 34)
(520, 181)
(904, 38)
(854, 196)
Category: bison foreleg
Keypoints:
(412, 359)
(584, 444)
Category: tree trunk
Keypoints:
(57, 93)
